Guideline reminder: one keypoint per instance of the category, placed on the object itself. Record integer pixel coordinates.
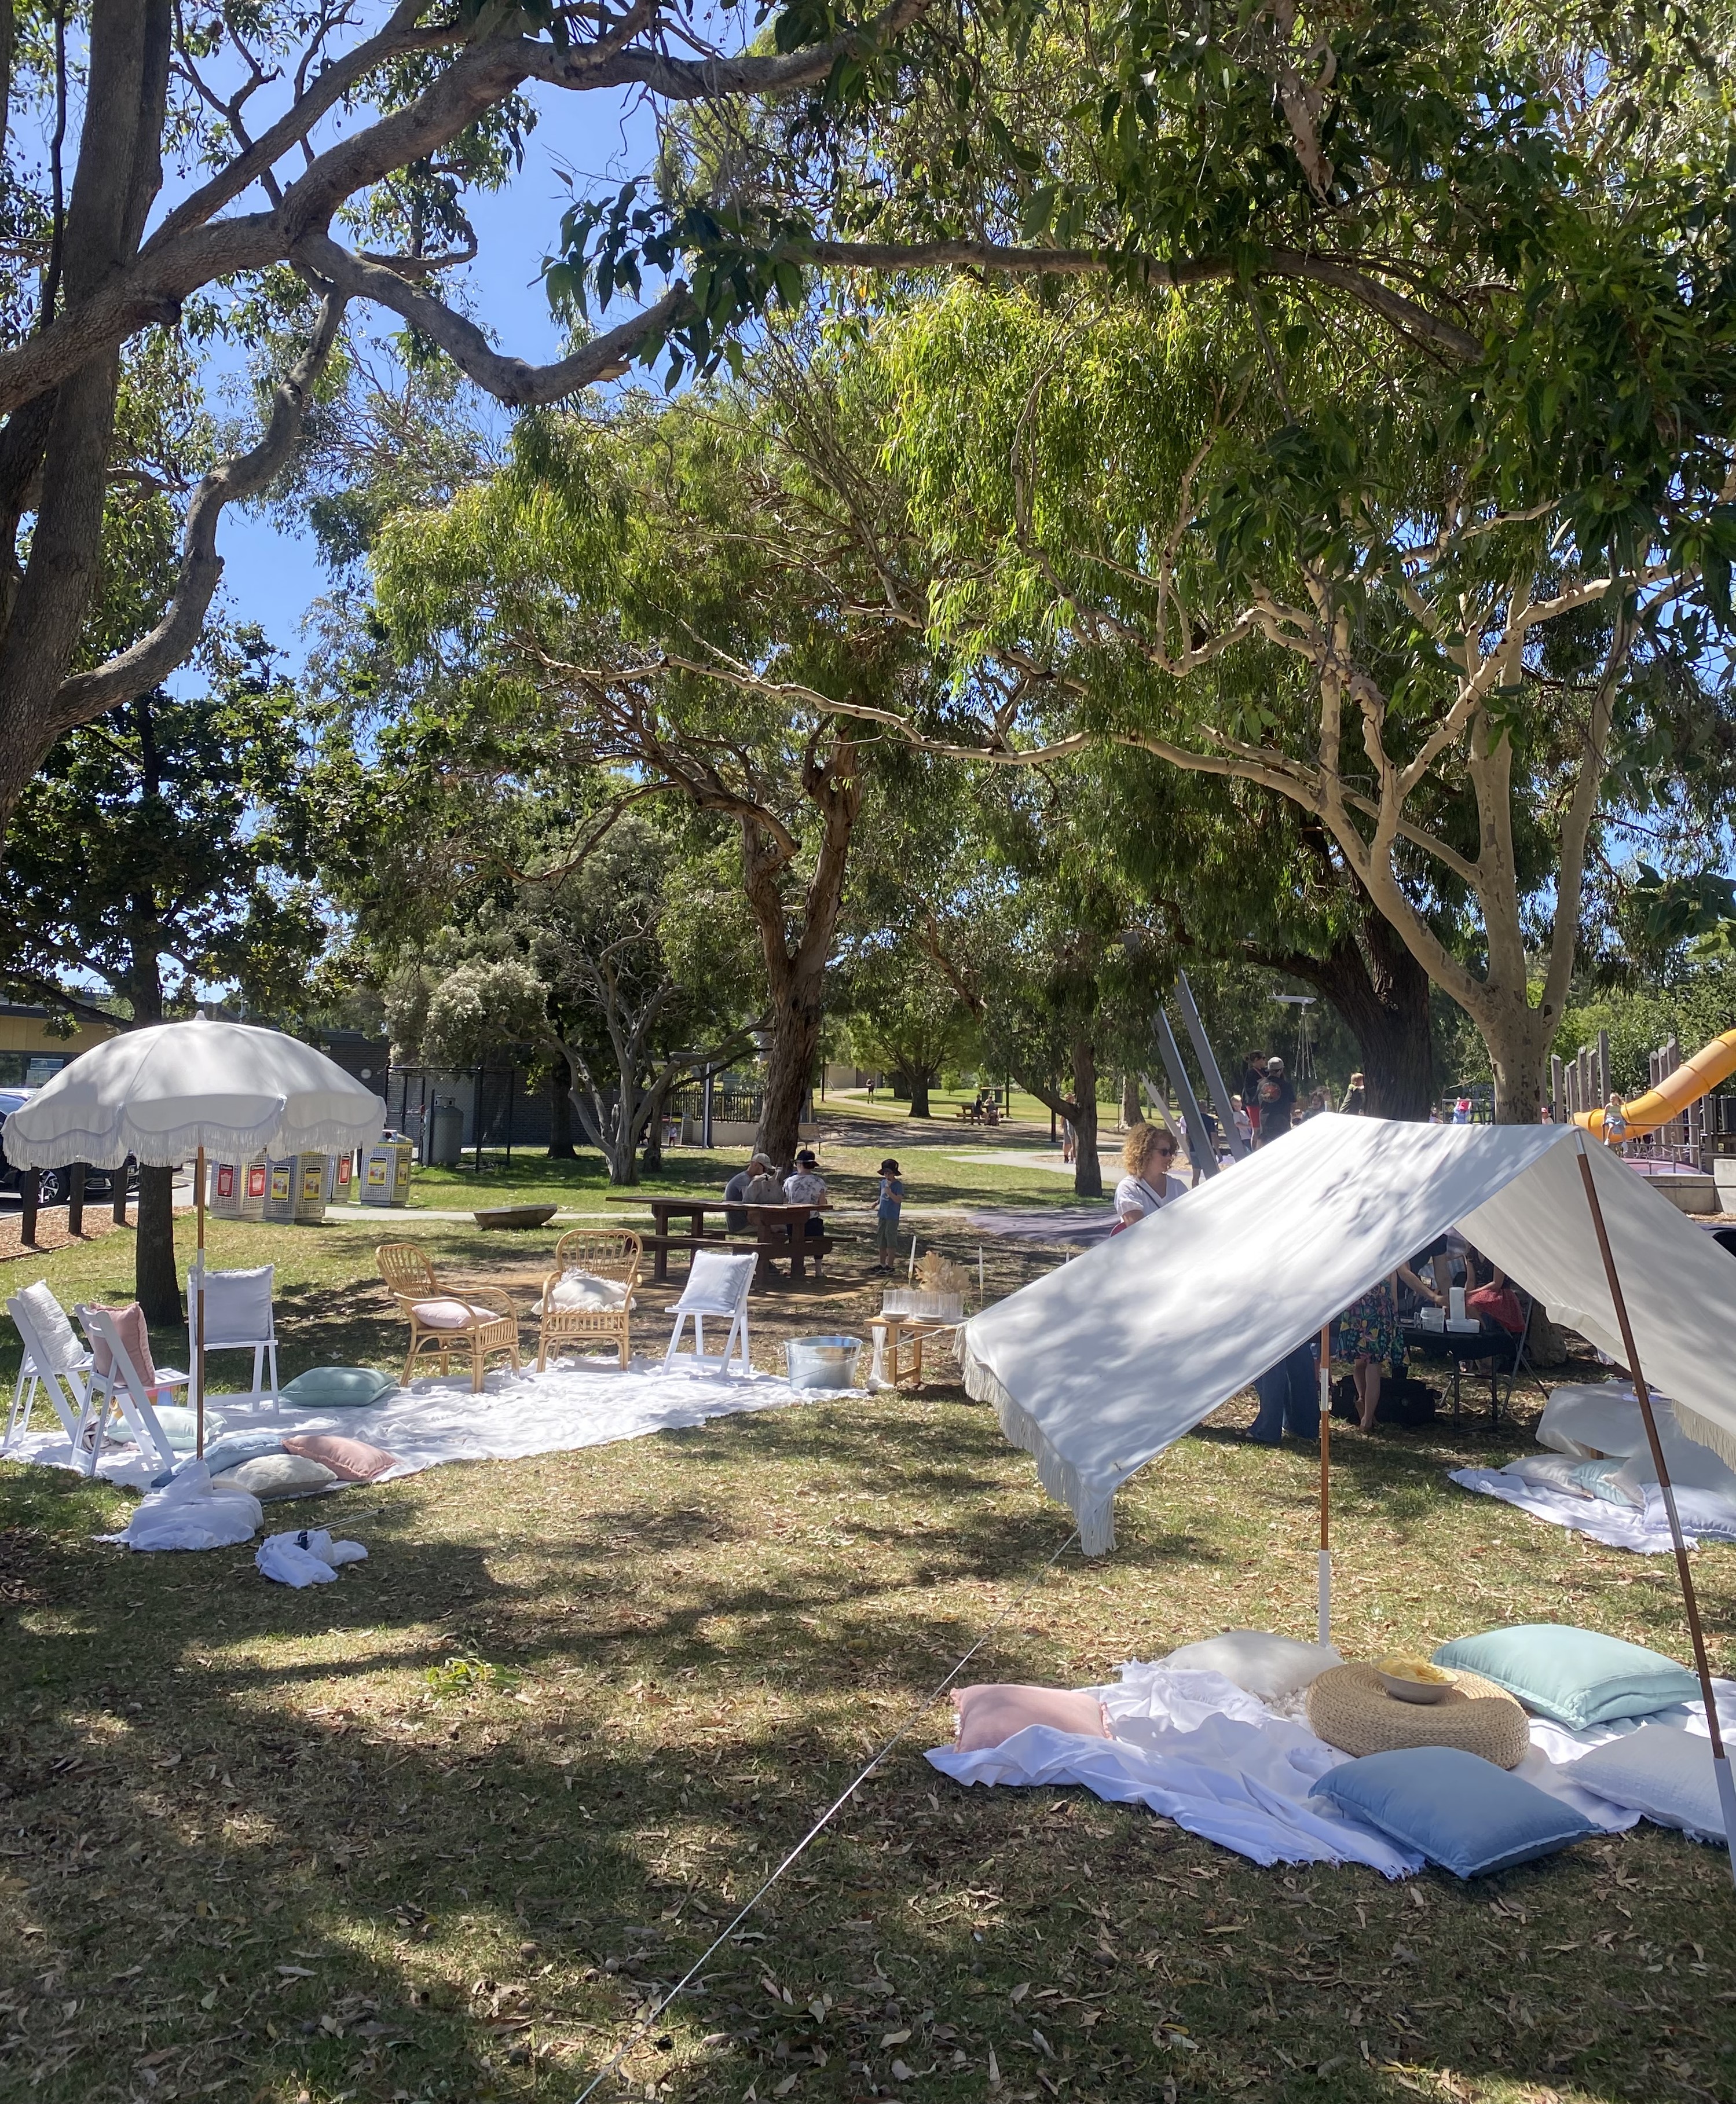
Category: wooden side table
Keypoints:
(897, 1330)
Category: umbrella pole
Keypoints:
(198, 1354)
(1324, 1581)
(1721, 1759)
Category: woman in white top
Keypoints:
(1147, 1186)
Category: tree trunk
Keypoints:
(798, 1011)
(560, 1146)
(1519, 1041)
(653, 1156)
(919, 1096)
(1131, 1111)
(797, 976)
(1382, 997)
(1087, 1171)
(156, 1278)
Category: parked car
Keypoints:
(55, 1183)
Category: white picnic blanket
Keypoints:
(1220, 1763)
(1644, 1529)
(577, 1402)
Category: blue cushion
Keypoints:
(224, 1453)
(338, 1388)
(1575, 1676)
(1456, 1808)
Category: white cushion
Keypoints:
(584, 1289)
(1694, 1467)
(277, 1476)
(1266, 1666)
(1553, 1472)
(238, 1305)
(452, 1314)
(1582, 1418)
(1659, 1771)
(716, 1285)
(53, 1328)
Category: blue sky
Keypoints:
(272, 577)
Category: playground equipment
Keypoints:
(1676, 1086)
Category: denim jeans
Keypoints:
(1289, 1399)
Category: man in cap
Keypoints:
(807, 1186)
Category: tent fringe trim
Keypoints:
(1706, 1432)
(1059, 1477)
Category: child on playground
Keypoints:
(886, 1211)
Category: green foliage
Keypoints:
(165, 848)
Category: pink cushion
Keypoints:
(354, 1459)
(451, 1314)
(129, 1325)
(988, 1714)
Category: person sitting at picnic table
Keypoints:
(1147, 1185)
(735, 1190)
(1368, 1336)
(807, 1186)
(767, 1188)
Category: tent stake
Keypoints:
(1324, 1581)
(1720, 1759)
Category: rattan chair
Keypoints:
(610, 1253)
(470, 1323)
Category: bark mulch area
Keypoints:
(51, 1231)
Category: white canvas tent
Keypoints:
(1100, 1366)
(1096, 1368)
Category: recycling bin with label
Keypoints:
(238, 1189)
(386, 1173)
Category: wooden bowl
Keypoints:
(515, 1216)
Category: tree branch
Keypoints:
(153, 657)
(509, 379)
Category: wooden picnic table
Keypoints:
(778, 1230)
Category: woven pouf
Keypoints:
(1349, 1708)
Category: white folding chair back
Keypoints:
(124, 1388)
(54, 1362)
(238, 1318)
(716, 1286)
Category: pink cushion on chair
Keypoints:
(129, 1327)
(450, 1314)
(988, 1714)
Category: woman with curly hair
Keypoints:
(1146, 1183)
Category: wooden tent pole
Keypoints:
(1324, 1618)
(198, 1354)
(1720, 1759)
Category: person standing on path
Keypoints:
(1277, 1101)
(886, 1211)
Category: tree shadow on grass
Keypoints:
(335, 1874)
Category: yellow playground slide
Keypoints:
(1709, 1066)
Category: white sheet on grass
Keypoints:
(1100, 1365)
(1195, 1748)
(1644, 1529)
(575, 1403)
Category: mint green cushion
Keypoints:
(1576, 1677)
(338, 1388)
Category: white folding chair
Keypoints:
(124, 1388)
(716, 1286)
(54, 1362)
(238, 1318)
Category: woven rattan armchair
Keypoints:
(610, 1253)
(468, 1323)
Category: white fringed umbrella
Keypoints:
(179, 1089)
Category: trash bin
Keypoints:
(280, 1192)
(386, 1173)
(341, 1188)
(237, 1188)
(446, 1136)
(312, 1176)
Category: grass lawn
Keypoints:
(442, 1829)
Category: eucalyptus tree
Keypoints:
(667, 593)
(270, 124)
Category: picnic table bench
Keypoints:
(778, 1230)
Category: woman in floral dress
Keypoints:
(1366, 1336)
